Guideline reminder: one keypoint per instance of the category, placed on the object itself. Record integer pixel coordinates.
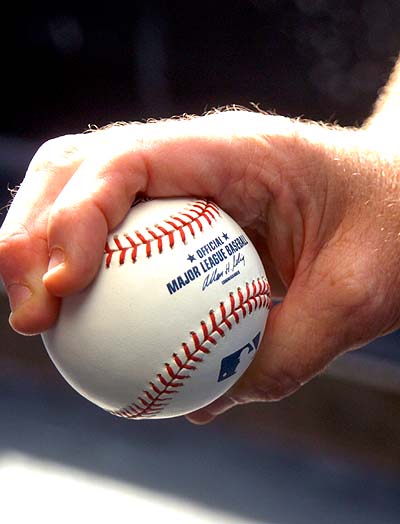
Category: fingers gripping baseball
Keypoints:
(79, 187)
(99, 194)
(23, 244)
(77, 228)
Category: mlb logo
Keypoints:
(230, 363)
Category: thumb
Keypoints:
(304, 333)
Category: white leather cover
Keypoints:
(173, 318)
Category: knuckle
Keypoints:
(10, 238)
(66, 218)
(357, 303)
(12, 243)
(57, 152)
(59, 213)
(63, 220)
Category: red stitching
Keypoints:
(199, 212)
(171, 379)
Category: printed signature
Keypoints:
(230, 271)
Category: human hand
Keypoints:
(321, 205)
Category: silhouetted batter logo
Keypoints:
(230, 363)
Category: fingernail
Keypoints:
(200, 417)
(57, 257)
(221, 405)
(207, 414)
(17, 295)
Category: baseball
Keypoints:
(173, 318)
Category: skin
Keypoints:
(321, 203)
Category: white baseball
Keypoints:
(173, 318)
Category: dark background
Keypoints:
(76, 64)
(72, 65)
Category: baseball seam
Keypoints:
(178, 226)
(167, 384)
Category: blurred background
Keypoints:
(331, 452)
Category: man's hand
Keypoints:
(321, 204)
